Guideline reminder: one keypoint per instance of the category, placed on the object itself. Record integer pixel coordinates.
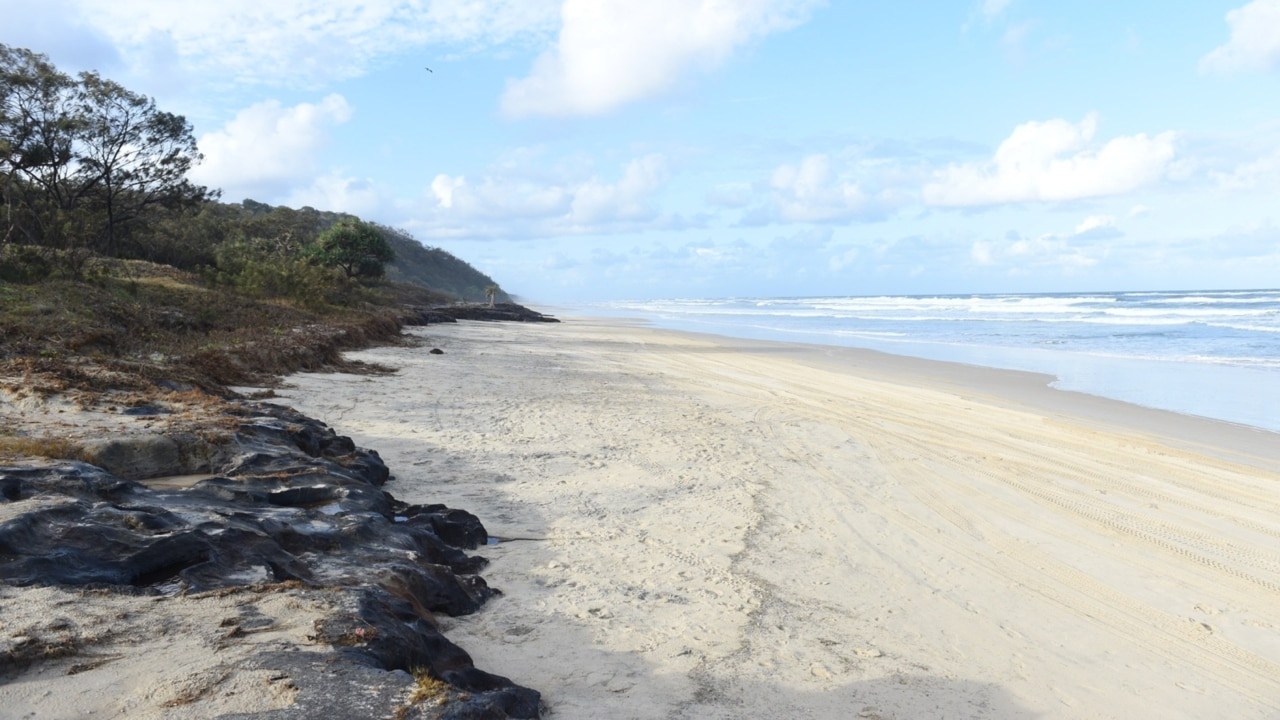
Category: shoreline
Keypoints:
(696, 526)
(1033, 390)
(1120, 378)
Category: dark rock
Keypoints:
(416, 316)
(292, 501)
(436, 351)
(456, 527)
(135, 456)
(500, 311)
(145, 410)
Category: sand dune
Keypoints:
(701, 528)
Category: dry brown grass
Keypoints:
(428, 688)
(139, 326)
(51, 448)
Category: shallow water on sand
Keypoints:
(1215, 354)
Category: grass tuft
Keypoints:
(52, 448)
(428, 688)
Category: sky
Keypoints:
(593, 150)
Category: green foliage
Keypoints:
(435, 268)
(86, 163)
(188, 239)
(357, 248)
(25, 264)
(270, 269)
(90, 169)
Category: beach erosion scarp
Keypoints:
(693, 526)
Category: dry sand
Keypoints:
(703, 528)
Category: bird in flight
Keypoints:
(430, 70)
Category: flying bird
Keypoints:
(430, 70)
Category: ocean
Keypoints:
(1210, 353)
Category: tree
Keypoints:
(132, 157)
(82, 162)
(491, 292)
(356, 247)
(37, 137)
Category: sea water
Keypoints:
(1209, 353)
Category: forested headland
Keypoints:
(113, 261)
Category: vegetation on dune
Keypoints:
(117, 271)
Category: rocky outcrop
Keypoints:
(289, 502)
(415, 316)
(500, 311)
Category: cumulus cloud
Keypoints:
(267, 148)
(812, 191)
(1254, 43)
(1020, 256)
(1098, 227)
(509, 203)
(283, 42)
(339, 192)
(613, 52)
(1051, 161)
(627, 199)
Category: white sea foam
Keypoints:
(1181, 338)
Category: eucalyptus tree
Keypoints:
(38, 128)
(132, 157)
(83, 161)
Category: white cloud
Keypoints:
(842, 260)
(1098, 227)
(613, 52)
(341, 193)
(266, 147)
(627, 199)
(1051, 161)
(992, 8)
(442, 188)
(508, 203)
(1094, 222)
(286, 41)
(1254, 42)
(982, 252)
(1015, 39)
(1258, 173)
(731, 195)
(1023, 255)
(812, 192)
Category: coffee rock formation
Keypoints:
(285, 503)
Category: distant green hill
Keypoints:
(435, 268)
(429, 267)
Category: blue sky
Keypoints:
(581, 150)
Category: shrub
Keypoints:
(274, 269)
(357, 248)
(24, 263)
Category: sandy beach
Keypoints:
(694, 527)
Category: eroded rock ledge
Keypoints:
(288, 505)
(510, 312)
